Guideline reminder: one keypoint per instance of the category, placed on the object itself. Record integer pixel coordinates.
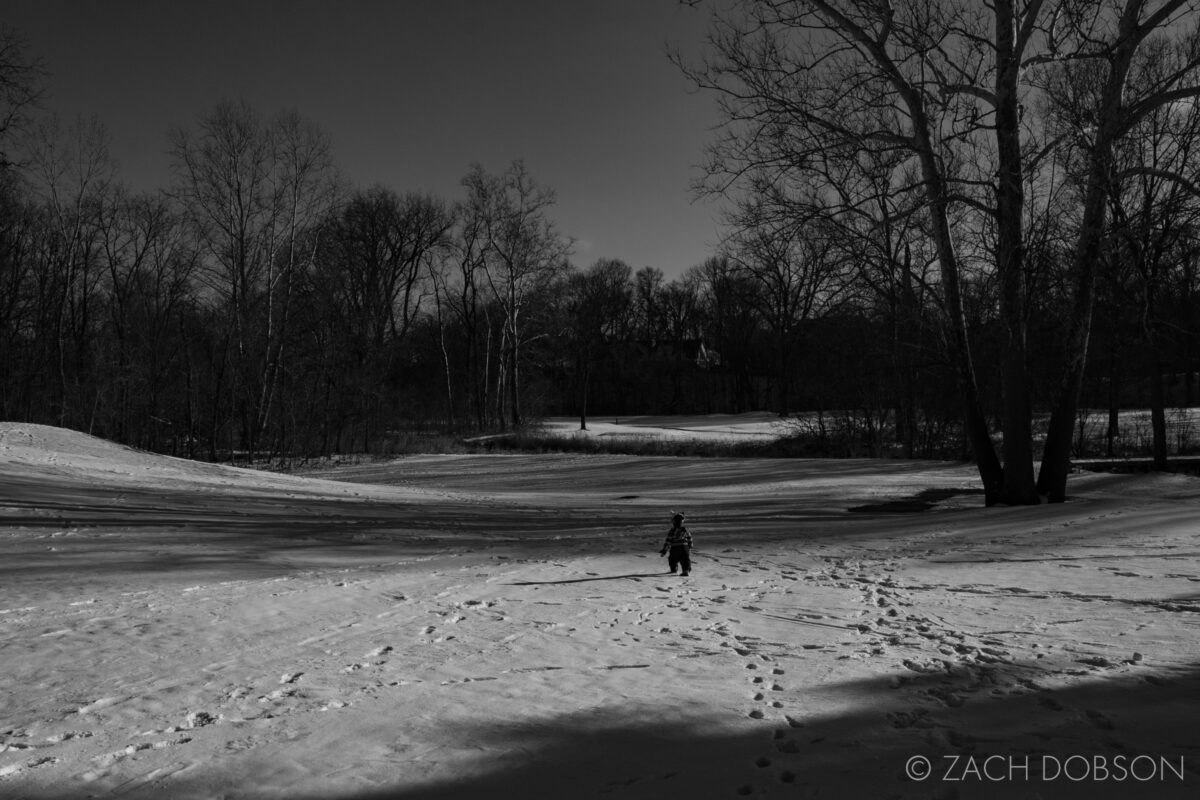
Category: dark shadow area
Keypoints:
(557, 472)
(50, 527)
(589, 579)
(951, 718)
(924, 501)
(1185, 465)
(1064, 744)
(53, 524)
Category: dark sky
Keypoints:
(412, 92)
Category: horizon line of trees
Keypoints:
(260, 306)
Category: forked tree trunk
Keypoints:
(1056, 457)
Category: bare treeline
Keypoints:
(948, 223)
(257, 305)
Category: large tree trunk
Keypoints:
(991, 473)
(1056, 458)
(1019, 487)
(975, 426)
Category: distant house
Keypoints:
(693, 350)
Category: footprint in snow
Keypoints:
(239, 693)
(108, 759)
(1100, 662)
(918, 718)
(33, 763)
(200, 719)
(946, 696)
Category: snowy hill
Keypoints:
(502, 626)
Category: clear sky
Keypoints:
(412, 92)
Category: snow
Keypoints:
(502, 626)
(759, 426)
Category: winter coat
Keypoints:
(678, 537)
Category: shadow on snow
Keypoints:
(1042, 742)
(591, 578)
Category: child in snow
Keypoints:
(679, 545)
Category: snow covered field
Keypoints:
(502, 626)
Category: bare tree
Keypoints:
(733, 327)
(148, 262)
(1155, 211)
(20, 242)
(682, 322)
(876, 226)
(798, 79)
(254, 188)
(380, 243)
(792, 265)
(943, 85)
(464, 292)
(524, 252)
(304, 185)
(21, 88)
(376, 260)
(647, 304)
(1092, 91)
(72, 169)
(597, 310)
